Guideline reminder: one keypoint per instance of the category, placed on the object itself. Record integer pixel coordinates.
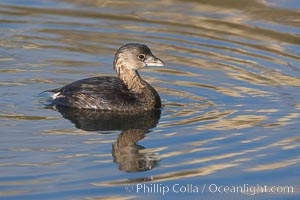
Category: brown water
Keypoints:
(229, 127)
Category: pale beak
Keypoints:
(153, 61)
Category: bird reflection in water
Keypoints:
(133, 126)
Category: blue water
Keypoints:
(229, 126)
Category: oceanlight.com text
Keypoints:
(164, 189)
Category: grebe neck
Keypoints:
(130, 78)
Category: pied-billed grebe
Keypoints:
(127, 92)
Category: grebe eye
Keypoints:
(141, 56)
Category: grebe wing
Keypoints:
(94, 93)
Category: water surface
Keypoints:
(230, 94)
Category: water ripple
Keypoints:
(229, 92)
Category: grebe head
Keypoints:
(135, 56)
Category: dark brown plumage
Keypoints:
(127, 92)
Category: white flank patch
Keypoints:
(55, 95)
